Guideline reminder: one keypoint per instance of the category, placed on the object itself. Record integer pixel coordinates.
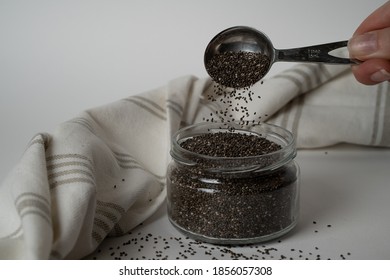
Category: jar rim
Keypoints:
(272, 132)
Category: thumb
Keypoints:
(373, 44)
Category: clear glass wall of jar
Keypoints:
(241, 200)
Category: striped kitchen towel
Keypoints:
(103, 172)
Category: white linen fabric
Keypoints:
(103, 172)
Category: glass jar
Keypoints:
(233, 200)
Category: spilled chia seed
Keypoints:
(231, 205)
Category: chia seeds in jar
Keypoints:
(233, 186)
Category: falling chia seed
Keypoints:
(238, 199)
(219, 207)
(234, 73)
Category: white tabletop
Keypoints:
(345, 194)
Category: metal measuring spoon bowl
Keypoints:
(241, 56)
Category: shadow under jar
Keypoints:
(233, 200)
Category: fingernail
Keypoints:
(380, 76)
(362, 45)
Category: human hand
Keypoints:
(371, 44)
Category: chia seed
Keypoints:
(215, 194)
(212, 203)
(238, 69)
(227, 144)
(234, 73)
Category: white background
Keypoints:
(58, 58)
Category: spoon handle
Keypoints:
(317, 53)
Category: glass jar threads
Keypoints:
(233, 184)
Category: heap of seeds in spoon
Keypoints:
(234, 73)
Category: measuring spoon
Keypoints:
(247, 39)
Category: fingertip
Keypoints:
(361, 76)
(380, 76)
(372, 72)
